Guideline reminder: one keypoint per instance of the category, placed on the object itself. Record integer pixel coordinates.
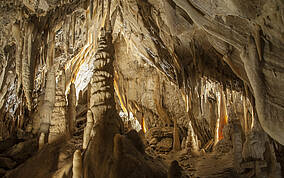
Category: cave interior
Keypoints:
(141, 88)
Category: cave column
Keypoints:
(46, 109)
(58, 119)
(107, 122)
(102, 87)
(71, 110)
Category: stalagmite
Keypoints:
(100, 90)
(36, 122)
(237, 144)
(58, 125)
(80, 99)
(88, 129)
(49, 99)
(176, 142)
(88, 95)
(50, 86)
(71, 109)
(191, 141)
(102, 105)
(41, 141)
(77, 165)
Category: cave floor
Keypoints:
(208, 165)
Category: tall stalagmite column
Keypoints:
(49, 100)
(77, 164)
(57, 128)
(176, 144)
(88, 129)
(71, 109)
(102, 105)
(102, 89)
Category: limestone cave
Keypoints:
(141, 88)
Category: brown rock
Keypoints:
(165, 145)
(7, 163)
(174, 170)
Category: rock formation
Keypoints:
(141, 88)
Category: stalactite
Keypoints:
(26, 65)
(91, 9)
(71, 109)
(120, 97)
(19, 49)
(162, 113)
(176, 142)
(3, 93)
(77, 165)
(67, 32)
(245, 115)
(157, 99)
(73, 31)
(51, 48)
(5, 63)
(223, 119)
(144, 126)
(87, 27)
(88, 129)
(235, 69)
(257, 39)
